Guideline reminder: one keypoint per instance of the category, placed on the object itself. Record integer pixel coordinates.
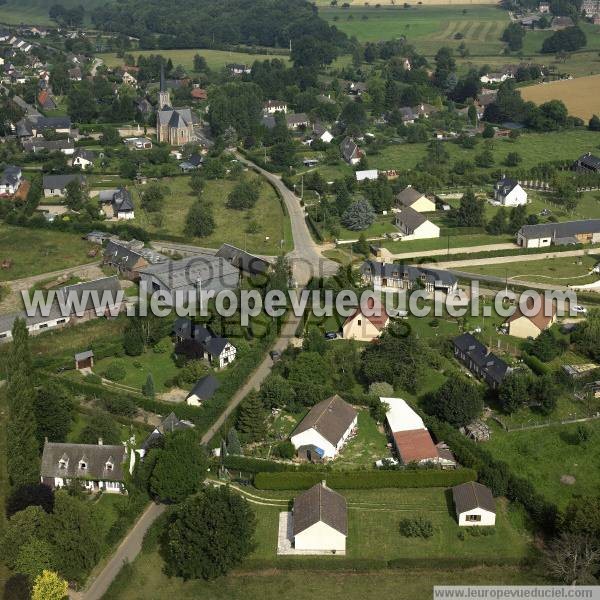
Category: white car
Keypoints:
(386, 462)
(582, 310)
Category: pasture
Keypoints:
(579, 95)
(427, 27)
(216, 59)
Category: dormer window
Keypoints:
(62, 464)
(109, 465)
(82, 465)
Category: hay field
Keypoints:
(581, 95)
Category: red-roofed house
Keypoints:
(199, 94)
(366, 323)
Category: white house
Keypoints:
(56, 185)
(474, 505)
(321, 133)
(83, 158)
(325, 429)
(96, 466)
(410, 197)
(11, 180)
(495, 77)
(367, 322)
(509, 193)
(320, 521)
(414, 226)
(270, 107)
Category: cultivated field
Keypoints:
(580, 95)
(216, 59)
(427, 27)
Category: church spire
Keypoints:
(164, 98)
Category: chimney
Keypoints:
(324, 482)
(100, 442)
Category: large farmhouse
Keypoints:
(97, 467)
(196, 341)
(325, 429)
(479, 360)
(320, 521)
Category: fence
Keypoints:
(548, 423)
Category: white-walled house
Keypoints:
(409, 197)
(414, 225)
(367, 322)
(320, 521)
(474, 505)
(97, 467)
(10, 181)
(509, 193)
(325, 429)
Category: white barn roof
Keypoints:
(401, 417)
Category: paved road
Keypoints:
(306, 258)
(126, 552)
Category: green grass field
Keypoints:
(216, 59)
(544, 455)
(427, 27)
(232, 226)
(35, 12)
(35, 251)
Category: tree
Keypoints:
(513, 35)
(197, 182)
(496, 476)
(314, 341)
(358, 216)
(180, 467)
(471, 212)
(517, 218)
(251, 418)
(573, 559)
(546, 392)
(513, 159)
(594, 123)
(497, 224)
(148, 387)
(233, 442)
(244, 196)
(458, 401)
(276, 392)
(199, 221)
(587, 335)
(100, 426)
(209, 534)
(53, 410)
(547, 346)
(76, 195)
(514, 391)
(200, 64)
(76, 536)
(564, 40)
(488, 132)
(49, 586)
(152, 198)
(36, 494)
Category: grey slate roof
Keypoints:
(246, 262)
(205, 388)
(320, 504)
(399, 271)
(121, 255)
(122, 201)
(408, 196)
(83, 355)
(169, 424)
(493, 366)
(566, 229)
(85, 154)
(410, 219)
(589, 161)
(187, 330)
(95, 456)
(349, 148)
(471, 495)
(42, 123)
(102, 285)
(11, 175)
(506, 185)
(331, 418)
(175, 117)
(59, 182)
(38, 144)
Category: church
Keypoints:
(174, 126)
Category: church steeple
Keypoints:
(164, 98)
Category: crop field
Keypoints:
(427, 27)
(216, 59)
(35, 12)
(579, 95)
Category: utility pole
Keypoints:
(302, 187)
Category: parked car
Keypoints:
(275, 355)
(330, 335)
(582, 310)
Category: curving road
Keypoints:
(306, 258)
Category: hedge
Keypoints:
(535, 364)
(249, 464)
(364, 479)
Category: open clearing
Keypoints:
(579, 95)
(216, 59)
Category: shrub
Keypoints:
(285, 450)
(93, 379)
(115, 372)
(364, 479)
(163, 346)
(416, 527)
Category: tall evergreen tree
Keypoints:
(251, 418)
(233, 442)
(148, 387)
(53, 412)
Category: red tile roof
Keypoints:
(199, 94)
(415, 445)
(378, 314)
(540, 320)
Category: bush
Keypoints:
(163, 346)
(115, 372)
(285, 450)
(416, 527)
(118, 405)
(93, 379)
(535, 364)
(365, 480)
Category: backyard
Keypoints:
(243, 228)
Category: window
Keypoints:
(473, 518)
(359, 322)
(60, 321)
(43, 325)
(82, 464)
(62, 464)
(109, 466)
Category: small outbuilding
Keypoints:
(204, 389)
(474, 505)
(84, 360)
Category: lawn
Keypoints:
(365, 448)
(426, 27)
(216, 59)
(246, 229)
(161, 365)
(381, 226)
(145, 579)
(35, 251)
(35, 12)
(447, 242)
(569, 270)
(543, 456)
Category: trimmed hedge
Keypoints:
(535, 364)
(364, 480)
(255, 465)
